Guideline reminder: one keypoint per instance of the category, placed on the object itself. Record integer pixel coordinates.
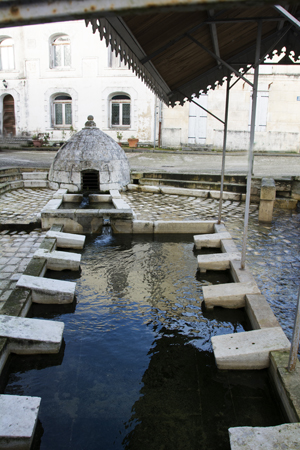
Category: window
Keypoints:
(7, 54)
(61, 52)
(261, 115)
(120, 110)
(62, 111)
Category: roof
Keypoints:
(179, 54)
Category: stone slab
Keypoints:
(234, 196)
(210, 240)
(67, 240)
(119, 203)
(249, 350)
(53, 204)
(31, 336)
(182, 227)
(241, 275)
(229, 295)
(18, 420)
(268, 189)
(183, 191)
(217, 261)
(228, 245)
(48, 291)
(60, 193)
(115, 193)
(35, 175)
(76, 198)
(142, 227)
(147, 188)
(57, 260)
(35, 183)
(286, 436)
(260, 312)
(98, 198)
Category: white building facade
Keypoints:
(55, 75)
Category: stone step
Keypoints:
(285, 436)
(35, 175)
(35, 183)
(48, 291)
(229, 295)
(210, 240)
(193, 184)
(67, 240)
(217, 261)
(18, 421)
(59, 260)
(249, 350)
(31, 336)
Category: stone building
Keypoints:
(54, 75)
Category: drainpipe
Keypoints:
(250, 155)
(159, 123)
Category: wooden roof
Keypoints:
(176, 53)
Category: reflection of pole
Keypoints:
(154, 131)
(296, 338)
(159, 124)
(224, 147)
(250, 155)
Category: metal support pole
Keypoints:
(224, 146)
(159, 124)
(250, 155)
(154, 128)
(296, 338)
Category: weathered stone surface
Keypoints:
(90, 149)
(265, 211)
(143, 227)
(119, 203)
(18, 421)
(181, 226)
(60, 193)
(218, 261)
(59, 260)
(73, 197)
(248, 350)
(260, 312)
(31, 336)
(230, 295)
(96, 198)
(286, 203)
(35, 183)
(281, 437)
(146, 188)
(49, 291)
(210, 240)
(35, 175)
(121, 226)
(268, 189)
(67, 240)
(115, 193)
(53, 204)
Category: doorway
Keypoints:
(9, 121)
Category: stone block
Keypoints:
(67, 240)
(233, 196)
(220, 228)
(54, 186)
(48, 291)
(286, 436)
(31, 336)
(228, 245)
(52, 204)
(100, 198)
(210, 240)
(286, 203)
(260, 312)
(18, 421)
(35, 183)
(60, 193)
(249, 350)
(115, 193)
(154, 189)
(59, 260)
(142, 227)
(181, 227)
(267, 189)
(241, 275)
(121, 226)
(265, 213)
(119, 203)
(133, 187)
(76, 198)
(218, 261)
(229, 295)
(35, 175)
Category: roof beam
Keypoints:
(214, 36)
(288, 16)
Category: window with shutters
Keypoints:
(120, 111)
(60, 57)
(62, 111)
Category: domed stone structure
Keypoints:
(90, 161)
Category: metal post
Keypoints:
(159, 124)
(224, 146)
(154, 130)
(296, 338)
(250, 155)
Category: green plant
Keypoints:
(34, 137)
(119, 136)
(46, 138)
(63, 134)
(72, 131)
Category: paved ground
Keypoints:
(264, 165)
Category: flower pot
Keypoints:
(37, 142)
(133, 142)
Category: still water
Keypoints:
(136, 370)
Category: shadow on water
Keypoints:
(138, 370)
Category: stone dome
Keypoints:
(90, 160)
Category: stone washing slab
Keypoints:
(210, 240)
(119, 203)
(35, 175)
(48, 291)
(183, 226)
(31, 336)
(249, 350)
(218, 261)
(53, 204)
(260, 312)
(286, 436)
(115, 193)
(35, 183)
(18, 421)
(59, 260)
(67, 240)
(229, 295)
(98, 198)
(60, 193)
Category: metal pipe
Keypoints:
(224, 147)
(154, 128)
(250, 155)
(159, 124)
(296, 337)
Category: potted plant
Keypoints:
(37, 141)
(133, 142)
(119, 137)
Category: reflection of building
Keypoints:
(55, 75)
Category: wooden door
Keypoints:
(9, 122)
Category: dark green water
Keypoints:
(136, 370)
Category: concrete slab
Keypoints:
(217, 261)
(119, 203)
(98, 198)
(142, 227)
(115, 193)
(59, 260)
(76, 198)
(60, 193)
(18, 421)
(183, 226)
(31, 336)
(67, 240)
(48, 291)
(53, 204)
(210, 240)
(35, 175)
(229, 295)
(286, 436)
(35, 183)
(259, 312)
(249, 350)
